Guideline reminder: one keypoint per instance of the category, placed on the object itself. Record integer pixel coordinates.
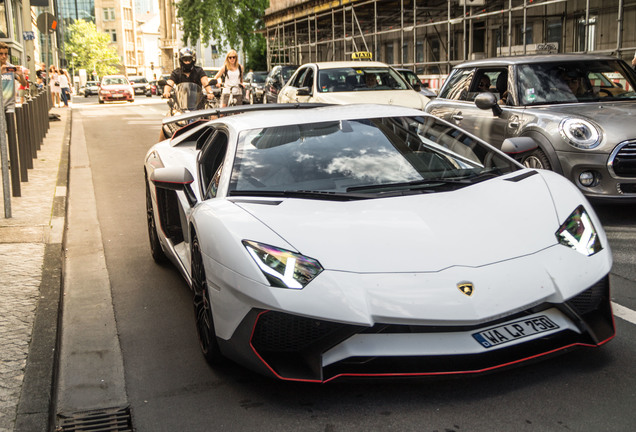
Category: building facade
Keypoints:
(431, 36)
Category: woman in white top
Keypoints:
(232, 75)
(55, 86)
(65, 87)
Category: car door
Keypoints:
(300, 87)
(456, 104)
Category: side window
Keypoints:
(488, 80)
(308, 80)
(457, 85)
(299, 78)
(211, 163)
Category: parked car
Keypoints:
(255, 86)
(416, 82)
(350, 82)
(114, 88)
(161, 82)
(275, 81)
(325, 242)
(140, 85)
(90, 88)
(578, 109)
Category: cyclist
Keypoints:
(232, 74)
(188, 72)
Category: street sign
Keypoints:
(46, 23)
(28, 35)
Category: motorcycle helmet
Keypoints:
(187, 54)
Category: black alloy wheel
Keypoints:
(203, 309)
(155, 245)
(537, 159)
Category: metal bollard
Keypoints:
(23, 143)
(12, 140)
(29, 132)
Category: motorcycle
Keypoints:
(184, 98)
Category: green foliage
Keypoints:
(257, 55)
(93, 49)
(231, 23)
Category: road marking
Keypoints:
(624, 313)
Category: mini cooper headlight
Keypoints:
(283, 268)
(580, 133)
(578, 233)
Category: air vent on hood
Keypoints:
(522, 176)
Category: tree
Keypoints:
(92, 48)
(232, 23)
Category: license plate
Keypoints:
(513, 331)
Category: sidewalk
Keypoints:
(31, 268)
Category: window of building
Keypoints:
(555, 31)
(113, 34)
(528, 35)
(109, 14)
(388, 51)
(419, 52)
(580, 39)
(4, 29)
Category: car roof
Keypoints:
(527, 59)
(345, 64)
(268, 118)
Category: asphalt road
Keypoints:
(170, 387)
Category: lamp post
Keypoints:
(73, 70)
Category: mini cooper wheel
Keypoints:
(155, 245)
(537, 159)
(203, 309)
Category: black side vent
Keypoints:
(590, 299)
(102, 420)
(522, 176)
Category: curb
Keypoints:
(36, 408)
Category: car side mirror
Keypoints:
(303, 91)
(516, 145)
(417, 87)
(486, 101)
(175, 179)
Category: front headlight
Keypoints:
(580, 133)
(578, 233)
(283, 268)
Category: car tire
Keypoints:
(85, 95)
(131, 100)
(155, 245)
(101, 101)
(536, 160)
(202, 308)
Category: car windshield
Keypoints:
(359, 78)
(576, 81)
(111, 81)
(138, 80)
(259, 77)
(362, 156)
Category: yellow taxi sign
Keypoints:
(361, 55)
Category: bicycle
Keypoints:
(235, 91)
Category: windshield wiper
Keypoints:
(312, 194)
(430, 183)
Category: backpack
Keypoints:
(240, 73)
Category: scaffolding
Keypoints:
(431, 36)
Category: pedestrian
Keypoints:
(232, 75)
(41, 76)
(10, 73)
(187, 72)
(65, 87)
(55, 86)
(634, 61)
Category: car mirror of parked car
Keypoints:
(486, 101)
(303, 91)
(517, 145)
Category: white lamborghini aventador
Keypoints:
(372, 240)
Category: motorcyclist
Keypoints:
(187, 72)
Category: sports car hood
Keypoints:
(484, 223)
(407, 98)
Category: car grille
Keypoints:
(622, 162)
